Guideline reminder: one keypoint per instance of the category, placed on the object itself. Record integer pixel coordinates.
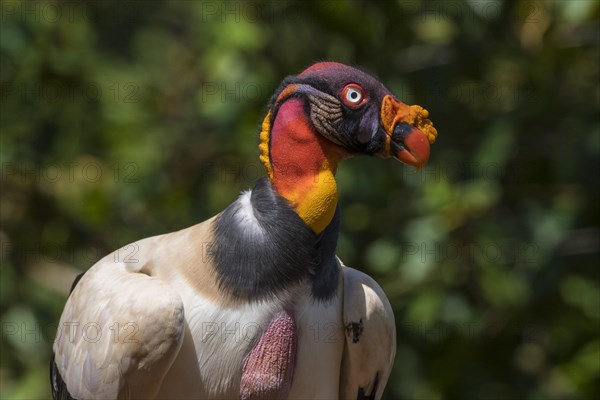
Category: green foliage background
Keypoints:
(121, 120)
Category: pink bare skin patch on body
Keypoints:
(269, 368)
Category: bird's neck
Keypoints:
(301, 163)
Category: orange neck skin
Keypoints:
(304, 164)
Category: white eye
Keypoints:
(352, 95)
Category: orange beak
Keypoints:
(409, 132)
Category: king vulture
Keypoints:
(252, 303)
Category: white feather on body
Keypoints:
(190, 343)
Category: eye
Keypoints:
(352, 95)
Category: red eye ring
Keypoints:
(353, 95)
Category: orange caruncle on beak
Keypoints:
(409, 132)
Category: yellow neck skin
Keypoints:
(317, 205)
(301, 164)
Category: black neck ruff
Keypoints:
(256, 263)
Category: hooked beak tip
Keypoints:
(412, 150)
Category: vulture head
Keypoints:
(329, 112)
(358, 113)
